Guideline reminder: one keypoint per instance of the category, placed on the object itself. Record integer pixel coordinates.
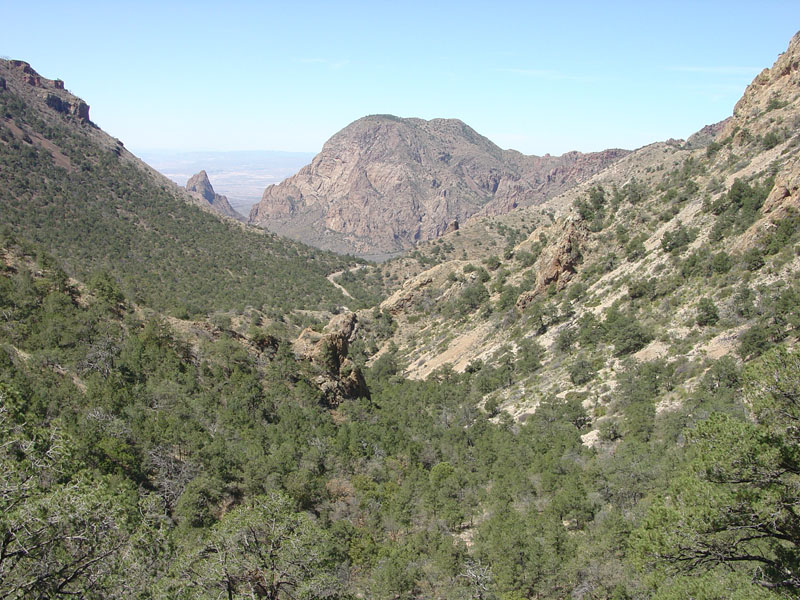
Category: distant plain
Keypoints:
(239, 175)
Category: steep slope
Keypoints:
(200, 187)
(616, 267)
(383, 184)
(79, 193)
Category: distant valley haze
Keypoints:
(241, 176)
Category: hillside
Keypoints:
(384, 184)
(592, 398)
(79, 193)
(667, 225)
(667, 232)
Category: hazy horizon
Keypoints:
(240, 175)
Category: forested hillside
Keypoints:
(137, 465)
(76, 191)
(595, 399)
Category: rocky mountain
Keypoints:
(49, 91)
(200, 187)
(384, 184)
(714, 217)
(53, 103)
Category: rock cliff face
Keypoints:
(50, 90)
(383, 184)
(765, 119)
(558, 260)
(200, 187)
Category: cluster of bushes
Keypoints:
(592, 208)
(738, 208)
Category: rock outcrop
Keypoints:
(558, 261)
(339, 377)
(383, 184)
(200, 187)
(772, 91)
(763, 122)
(707, 135)
(50, 90)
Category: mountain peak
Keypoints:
(200, 187)
(200, 184)
(384, 183)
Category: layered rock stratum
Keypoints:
(383, 184)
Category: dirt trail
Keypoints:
(333, 276)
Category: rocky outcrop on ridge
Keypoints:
(772, 91)
(54, 104)
(383, 184)
(558, 261)
(200, 187)
(339, 377)
(51, 91)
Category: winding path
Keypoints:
(333, 276)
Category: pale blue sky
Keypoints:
(528, 75)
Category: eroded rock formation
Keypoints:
(383, 184)
(558, 261)
(339, 377)
(200, 187)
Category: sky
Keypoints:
(537, 77)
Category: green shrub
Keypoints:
(566, 338)
(676, 241)
(721, 263)
(706, 312)
(471, 297)
(492, 262)
(629, 336)
(753, 259)
(642, 288)
(634, 249)
(755, 341)
(581, 371)
(771, 139)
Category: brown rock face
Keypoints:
(339, 378)
(558, 260)
(383, 184)
(200, 187)
(50, 90)
(773, 89)
(80, 109)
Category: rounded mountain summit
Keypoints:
(383, 183)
